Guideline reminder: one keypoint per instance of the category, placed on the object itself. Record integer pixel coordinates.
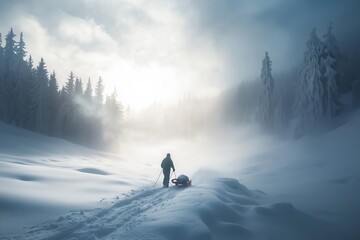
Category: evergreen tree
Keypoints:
(78, 87)
(99, 94)
(70, 85)
(54, 102)
(20, 48)
(10, 51)
(19, 92)
(114, 109)
(3, 100)
(112, 118)
(9, 76)
(310, 99)
(266, 103)
(68, 110)
(98, 102)
(330, 64)
(42, 114)
(88, 92)
(31, 94)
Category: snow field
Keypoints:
(220, 209)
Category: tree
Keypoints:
(99, 94)
(9, 76)
(112, 117)
(42, 114)
(70, 85)
(3, 89)
(31, 94)
(54, 102)
(266, 101)
(78, 87)
(88, 92)
(310, 97)
(68, 111)
(19, 92)
(20, 48)
(330, 72)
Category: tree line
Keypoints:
(302, 100)
(30, 98)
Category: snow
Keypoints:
(307, 189)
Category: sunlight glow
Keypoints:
(141, 86)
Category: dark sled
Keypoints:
(181, 181)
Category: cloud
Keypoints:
(197, 47)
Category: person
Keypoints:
(166, 165)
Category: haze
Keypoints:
(160, 51)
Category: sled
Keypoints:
(181, 181)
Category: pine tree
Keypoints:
(98, 102)
(266, 102)
(99, 94)
(68, 111)
(88, 92)
(19, 92)
(113, 116)
(3, 100)
(331, 87)
(70, 85)
(54, 102)
(114, 109)
(310, 98)
(20, 48)
(9, 76)
(10, 51)
(42, 114)
(78, 87)
(31, 94)
(330, 73)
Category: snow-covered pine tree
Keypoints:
(331, 92)
(266, 101)
(310, 97)
(330, 64)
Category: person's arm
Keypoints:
(172, 165)
(162, 164)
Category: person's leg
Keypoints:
(166, 177)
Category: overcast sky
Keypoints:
(159, 50)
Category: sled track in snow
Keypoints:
(121, 217)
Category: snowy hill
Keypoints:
(306, 191)
(42, 177)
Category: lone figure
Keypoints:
(166, 165)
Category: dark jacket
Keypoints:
(167, 163)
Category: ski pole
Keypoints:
(157, 179)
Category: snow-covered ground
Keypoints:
(304, 189)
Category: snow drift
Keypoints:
(220, 209)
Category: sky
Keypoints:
(158, 51)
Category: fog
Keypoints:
(195, 134)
